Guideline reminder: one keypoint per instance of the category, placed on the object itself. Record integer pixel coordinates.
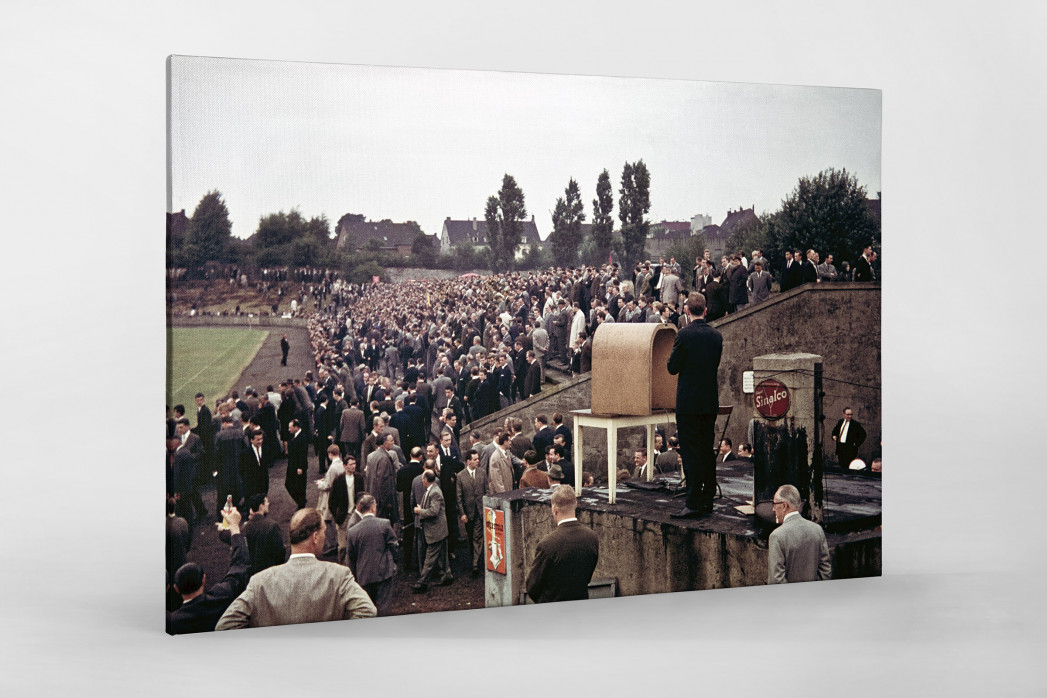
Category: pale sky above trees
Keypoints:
(422, 145)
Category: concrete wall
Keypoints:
(648, 557)
(840, 322)
(395, 274)
(234, 321)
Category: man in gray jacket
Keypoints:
(759, 284)
(797, 550)
(303, 589)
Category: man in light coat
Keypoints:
(303, 589)
(797, 550)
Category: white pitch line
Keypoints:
(216, 360)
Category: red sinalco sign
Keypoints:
(771, 399)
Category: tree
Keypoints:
(749, 235)
(422, 245)
(504, 215)
(633, 204)
(686, 251)
(827, 213)
(568, 216)
(289, 239)
(208, 233)
(603, 224)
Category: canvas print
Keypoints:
(447, 340)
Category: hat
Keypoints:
(555, 472)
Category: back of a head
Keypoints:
(304, 523)
(188, 578)
(366, 503)
(790, 495)
(564, 500)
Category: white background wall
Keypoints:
(959, 610)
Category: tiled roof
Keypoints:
(457, 231)
(736, 218)
(387, 233)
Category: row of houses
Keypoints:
(397, 239)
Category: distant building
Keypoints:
(661, 236)
(874, 208)
(458, 232)
(716, 235)
(699, 222)
(177, 223)
(383, 236)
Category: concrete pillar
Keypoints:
(788, 449)
(502, 589)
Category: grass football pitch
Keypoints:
(207, 360)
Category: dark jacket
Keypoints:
(696, 359)
(563, 564)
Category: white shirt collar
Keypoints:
(789, 515)
(563, 521)
(294, 555)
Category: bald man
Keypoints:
(302, 590)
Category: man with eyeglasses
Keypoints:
(796, 550)
(849, 435)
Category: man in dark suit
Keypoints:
(433, 518)
(370, 551)
(400, 421)
(201, 610)
(204, 430)
(229, 447)
(726, 453)
(254, 467)
(470, 490)
(791, 274)
(808, 271)
(563, 430)
(179, 539)
(565, 559)
(297, 463)
(696, 359)
(797, 550)
(345, 491)
(264, 541)
(284, 348)
(849, 435)
(404, 477)
(543, 435)
(186, 462)
(863, 266)
(532, 379)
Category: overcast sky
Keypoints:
(422, 145)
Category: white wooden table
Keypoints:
(612, 423)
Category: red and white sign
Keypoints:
(494, 539)
(771, 399)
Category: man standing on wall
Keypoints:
(696, 359)
(849, 435)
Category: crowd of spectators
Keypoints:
(401, 371)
